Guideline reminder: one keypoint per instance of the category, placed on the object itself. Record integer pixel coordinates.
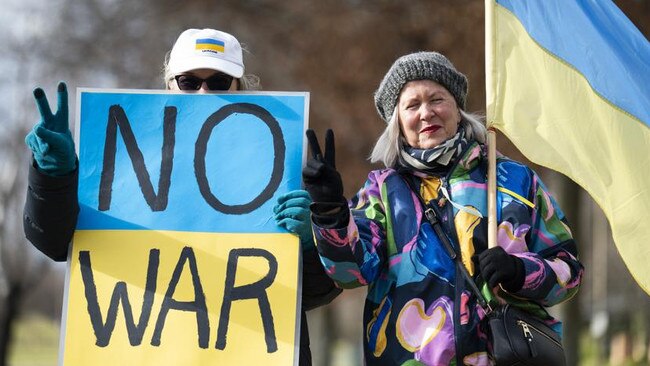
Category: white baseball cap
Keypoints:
(206, 49)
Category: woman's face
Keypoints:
(203, 74)
(428, 114)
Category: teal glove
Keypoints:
(50, 140)
(292, 213)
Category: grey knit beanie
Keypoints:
(419, 66)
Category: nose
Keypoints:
(427, 111)
(203, 89)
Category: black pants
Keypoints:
(305, 352)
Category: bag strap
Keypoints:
(432, 215)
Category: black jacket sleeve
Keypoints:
(318, 289)
(50, 213)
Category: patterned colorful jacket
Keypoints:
(418, 309)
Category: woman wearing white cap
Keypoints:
(201, 60)
(207, 60)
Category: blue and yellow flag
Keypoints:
(209, 44)
(568, 82)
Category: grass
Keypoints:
(35, 342)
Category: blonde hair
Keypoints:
(387, 147)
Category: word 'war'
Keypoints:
(103, 329)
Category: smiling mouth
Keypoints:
(430, 129)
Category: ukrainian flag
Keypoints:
(568, 82)
(210, 44)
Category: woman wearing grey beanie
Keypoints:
(419, 309)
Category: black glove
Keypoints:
(321, 179)
(499, 267)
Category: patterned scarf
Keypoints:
(436, 160)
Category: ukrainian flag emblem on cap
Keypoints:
(210, 45)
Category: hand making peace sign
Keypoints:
(50, 140)
(321, 179)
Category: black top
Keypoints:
(50, 213)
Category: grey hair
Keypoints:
(387, 148)
(246, 82)
(474, 126)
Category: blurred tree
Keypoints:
(21, 267)
(338, 50)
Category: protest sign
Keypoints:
(176, 258)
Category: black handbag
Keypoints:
(515, 337)
(519, 338)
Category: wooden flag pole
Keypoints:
(492, 187)
(490, 94)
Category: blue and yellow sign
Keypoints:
(177, 259)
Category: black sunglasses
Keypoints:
(218, 81)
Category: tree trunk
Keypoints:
(571, 204)
(7, 321)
